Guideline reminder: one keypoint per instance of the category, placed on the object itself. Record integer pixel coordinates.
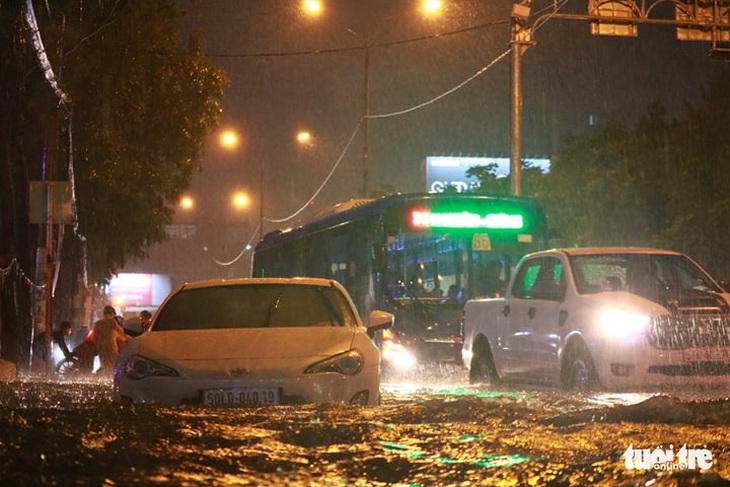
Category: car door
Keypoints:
(548, 293)
(534, 311)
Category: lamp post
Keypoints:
(214, 232)
(229, 140)
(261, 202)
(314, 8)
(366, 124)
(366, 112)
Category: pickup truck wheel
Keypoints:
(579, 373)
(482, 369)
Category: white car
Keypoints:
(612, 318)
(259, 341)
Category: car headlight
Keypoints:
(348, 363)
(397, 355)
(138, 367)
(618, 323)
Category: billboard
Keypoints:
(139, 289)
(445, 171)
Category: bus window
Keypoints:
(490, 277)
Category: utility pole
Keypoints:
(261, 202)
(521, 40)
(48, 265)
(707, 21)
(366, 112)
(366, 122)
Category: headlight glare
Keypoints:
(397, 355)
(348, 363)
(619, 323)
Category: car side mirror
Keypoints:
(379, 320)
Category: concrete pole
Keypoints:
(516, 141)
(366, 122)
(521, 40)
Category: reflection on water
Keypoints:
(428, 431)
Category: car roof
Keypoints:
(306, 281)
(611, 250)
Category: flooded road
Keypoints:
(441, 432)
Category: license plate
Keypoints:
(706, 355)
(242, 395)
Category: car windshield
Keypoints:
(640, 274)
(255, 306)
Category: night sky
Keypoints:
(290, 72)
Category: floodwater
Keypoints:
(430, 433)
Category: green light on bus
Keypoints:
(425, 219)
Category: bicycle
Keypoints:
(68, 367)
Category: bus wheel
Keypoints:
(579, 373)
(482, 369)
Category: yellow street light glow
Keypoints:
(240, 200)
(312, 6)
(432, 6)
(229, 139)
(304, 137)
(187, 202)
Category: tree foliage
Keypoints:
(141, 109)
(661, 184)
(490, 183)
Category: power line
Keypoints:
(361, 47)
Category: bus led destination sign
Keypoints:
(426, 219)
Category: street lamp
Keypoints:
(240, 201)
(304, 140)
(187, 203)
(432, 6)
(229, 139)
(314, 7)
(304, 137)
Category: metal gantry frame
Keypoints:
(695, 20)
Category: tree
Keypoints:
(697, 182)
(659, 185)
(491, 183)
(139, 141)
(132, 133)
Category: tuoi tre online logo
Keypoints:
(659, 459)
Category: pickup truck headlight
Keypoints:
(620, 323)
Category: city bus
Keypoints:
(418, 256)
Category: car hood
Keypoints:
(689, 301)
(250, 343)
(625, 300)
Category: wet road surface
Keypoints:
(424, 434)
